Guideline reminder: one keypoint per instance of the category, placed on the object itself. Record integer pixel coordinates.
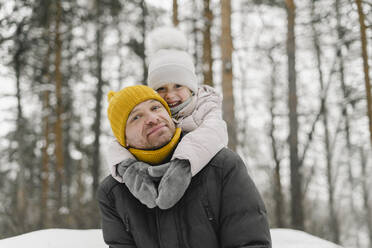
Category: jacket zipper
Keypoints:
(209, 213)
(126, 223)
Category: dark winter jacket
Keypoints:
(221, 208)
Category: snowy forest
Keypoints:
(295, 80)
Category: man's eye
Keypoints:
(136, 117)
(178, 86)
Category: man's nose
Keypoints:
(152, 118)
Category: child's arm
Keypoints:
(115, 154)
(210, 135)
(207, 136)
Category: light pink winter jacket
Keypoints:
(206, 133)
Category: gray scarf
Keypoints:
(178, 108)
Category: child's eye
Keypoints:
(161, 89)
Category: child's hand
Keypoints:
(174, 183)
(138, 181)
(158, 171)
(123, 166)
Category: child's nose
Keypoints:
(169, 96)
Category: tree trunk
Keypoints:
(334, 224)
(296, 176)
(81, 189)
(363, 37)
(59, 179)
(227, 73)
(366, 192)
(340, 36)
(142, 44)
(21, 202)
(44, 216)
(207, 45)
(277, 186)
(345, 113)
(98, 97)
(21, 205)
(68, 109)
(175, 13)
(195, 33)
(120, 46)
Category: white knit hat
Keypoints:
(169, 62)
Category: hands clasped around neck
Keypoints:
(142, 181)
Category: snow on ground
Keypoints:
(288, 238)
(56, 238)
(62, 238)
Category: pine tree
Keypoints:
(207, 63)
(296, 177)
(227, 72)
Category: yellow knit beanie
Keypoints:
(121, 104)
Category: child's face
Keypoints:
(174, 94)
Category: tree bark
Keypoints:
(98, 97)
(195, 33)
(120, 45)
(344, 107)
(365, 193)
(21, 201)
(44, 216)
(207, 45)
(68, 113)
(227, 73)
(363, 37)
(296, 176)
(334, 223)
(59, 109)
(175, 13)
(142, 44)
(277, 186)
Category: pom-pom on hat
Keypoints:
(121, 104)
(169, 61)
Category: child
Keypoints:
(196, 110)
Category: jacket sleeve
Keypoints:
(202, 144)
(113, 228)
(116, 153)
(243, 220)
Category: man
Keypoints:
(220, 208)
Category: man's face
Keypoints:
(149, 126)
